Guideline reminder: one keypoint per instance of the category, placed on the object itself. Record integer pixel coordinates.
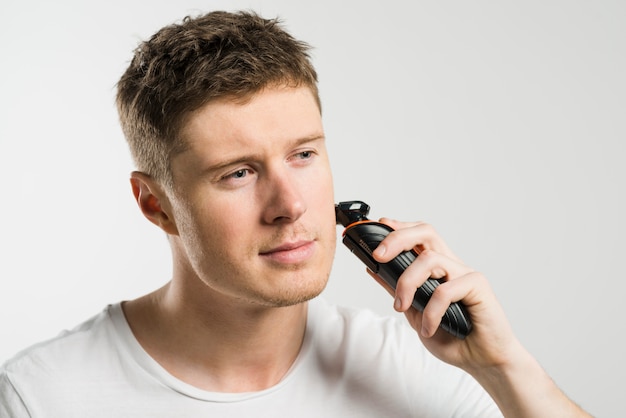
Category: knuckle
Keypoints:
(428, 228)
(480, 278)
(428, 256)
(442, 292)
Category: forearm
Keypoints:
(523, 389)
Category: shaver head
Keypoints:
(351, 211)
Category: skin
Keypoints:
(491, 353)
(251, 224)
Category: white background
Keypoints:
(501, 124)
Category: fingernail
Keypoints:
(380, 250)
(397, 304)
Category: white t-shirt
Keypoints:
(352, 364)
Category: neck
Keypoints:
(215, 343)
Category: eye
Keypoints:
(239, 174)
(304, 155)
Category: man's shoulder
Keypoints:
(74, 368)
(68, 346)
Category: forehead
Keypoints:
(274, 114)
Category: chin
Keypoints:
(295, 300)
(297, 295)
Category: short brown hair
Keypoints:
(186, 65)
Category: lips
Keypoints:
(290, 252)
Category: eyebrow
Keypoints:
(249, 157)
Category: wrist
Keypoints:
(521, 388)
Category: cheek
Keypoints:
(200, 225)
(221, 225)
(216, 245)
(325, 198)
(321, 198)
(228, 229)
(322, 186)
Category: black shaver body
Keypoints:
(362, 236)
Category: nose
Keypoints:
(284, 201)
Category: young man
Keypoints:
(222, 116)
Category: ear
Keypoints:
(153, 202)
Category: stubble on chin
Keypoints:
(296, 296)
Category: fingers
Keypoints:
(429, 264)
(464, 288)
(435, 260)
(417, 236)
(461, 285)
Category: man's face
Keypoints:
(253, 198)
